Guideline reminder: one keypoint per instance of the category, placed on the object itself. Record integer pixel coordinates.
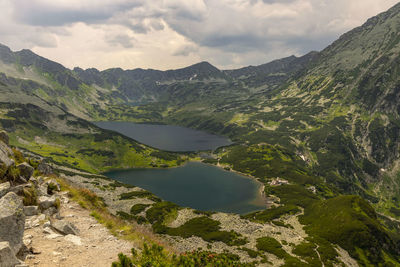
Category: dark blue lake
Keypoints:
(167, 137)
(199, 186)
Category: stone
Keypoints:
(12, 221)
(46, 202)
(50, 211)
(7, 256)
(31, 210)
(76, 240)
(4, 188)
(25, 170)
(45, 168)
(65, 227)
(5, 154)
(18, 189)
(4, 137)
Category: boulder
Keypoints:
(5, 154)
(4, 188)
(46, 202)
(65, 227)
(45, 168)
(25, 170)
(4, 137)
(7, 256)
(50, 211)
(31, 210)
(12, 221)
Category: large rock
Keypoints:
(7, 257)
(25, 170)
(5, 154)
(4, 188)
(31, 210)
(45, 168)
(12, 221)
(4, 137)
(47, 202)
(65, 227)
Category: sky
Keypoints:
(170, 34)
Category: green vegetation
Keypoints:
(207, 229)
(139, 194)
(272, 213)
(138, 208)
(352, 223)
(155, 255)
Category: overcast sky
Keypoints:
(165, 34)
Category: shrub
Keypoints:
(271, 245)
(138, 208)
(30, 196)
(155, 255)
(207, 229)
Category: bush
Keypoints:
(271, 245)
(155, 255)
(30, 197)
(159, 211)
(272, 214)
(138, 208)
(207, 229)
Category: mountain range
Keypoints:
(328, 119)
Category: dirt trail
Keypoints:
(94, 246)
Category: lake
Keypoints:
(167, 137)
(199, 186)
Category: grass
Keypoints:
(116, 225)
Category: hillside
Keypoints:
(327, 123)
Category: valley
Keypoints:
(319, 132)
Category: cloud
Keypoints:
(61, 12)
(122, 40)
(174, 33)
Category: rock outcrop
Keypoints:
(4, 188)
(25, 170)
(7, 257)
(12, 221)
(5, 154)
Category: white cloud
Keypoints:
(175, 33)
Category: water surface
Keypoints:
(167, 137)
(199, 186)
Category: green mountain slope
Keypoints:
(327, 123)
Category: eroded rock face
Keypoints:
(7, 257)
(12, 221)
(25, 170)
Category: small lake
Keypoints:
(167, 137)
(199, 186)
